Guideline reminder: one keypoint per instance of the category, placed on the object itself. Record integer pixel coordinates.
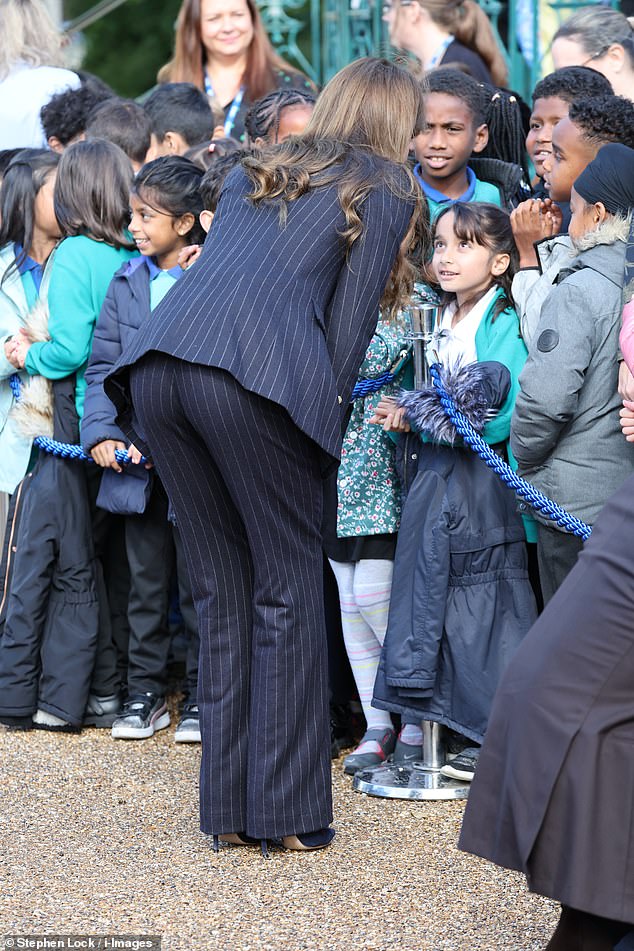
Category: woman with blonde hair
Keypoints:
(238, 388)
(602, 39)
(222, 47)
(31, 71)
(453, 33)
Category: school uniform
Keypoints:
(137, 494)
(240, 383)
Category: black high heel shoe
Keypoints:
(309, 841)
(240, 838)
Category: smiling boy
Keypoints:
(552, 98)
(455, 128)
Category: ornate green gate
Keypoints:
(321, 36)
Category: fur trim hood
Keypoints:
(614, 228)
(32, 414)
(477, 389)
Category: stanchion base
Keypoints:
(414, 781)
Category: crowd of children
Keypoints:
(439, 572)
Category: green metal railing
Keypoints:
(321, 36)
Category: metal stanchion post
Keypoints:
(419, 780)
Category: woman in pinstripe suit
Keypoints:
(238, 389)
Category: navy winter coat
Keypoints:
(461, 597)
(125, 308)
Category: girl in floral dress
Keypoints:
(368, 517)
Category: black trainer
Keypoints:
(463, 766)
(141, 717)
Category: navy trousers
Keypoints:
(246, 489)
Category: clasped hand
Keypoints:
(390, 416)
(16, 349)
(532, 221)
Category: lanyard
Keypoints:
(234, 109)
(440, 52)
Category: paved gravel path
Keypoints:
(101, 837)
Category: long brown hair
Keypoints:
(92, 192)
(470, 25)
(188, 62)
(357, 138)
(490, 227)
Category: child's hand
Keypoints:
(189, 255)
(390, 416)
(19, 347)
(104, 454)
(532, 221)
(627, 420)
(626, 382)
(136, 455)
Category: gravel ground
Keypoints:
(101, 837)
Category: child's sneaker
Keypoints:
(463, 765)
(141, 717)
(188, 729)
(43, 720)
(101, 712)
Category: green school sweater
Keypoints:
(81, 272)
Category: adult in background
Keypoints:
(30, 71)
(602, 39)
(240, 385)
(222, 47)
(447, 33)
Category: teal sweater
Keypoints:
(81, 272)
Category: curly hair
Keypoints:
(603, 119)
(453, 82)
(572, 83)
(357, 139)
(65, 116)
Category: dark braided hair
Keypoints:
(262, 121)
(507, 135)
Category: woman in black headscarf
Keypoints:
(553, 794)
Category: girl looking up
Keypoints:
(165, 205)
(462, 599)
(29, 232)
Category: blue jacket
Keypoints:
(125, 309)
(281, 307)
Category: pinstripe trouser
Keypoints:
(245, 485)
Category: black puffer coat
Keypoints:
(49, 607)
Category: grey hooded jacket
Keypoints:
(565, 432)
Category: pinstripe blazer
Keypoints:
(279, 306)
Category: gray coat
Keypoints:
(565, 432)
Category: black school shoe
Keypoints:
(142, 715)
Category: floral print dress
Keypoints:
(368, 489)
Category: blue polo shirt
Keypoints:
(476, 191)
(31, 275)
(161, 281)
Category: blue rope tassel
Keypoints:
(522, 488)
(63, 449)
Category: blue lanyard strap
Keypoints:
(234, 109)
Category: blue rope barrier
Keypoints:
(63, 449)
(489, 456)
(365, 387)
